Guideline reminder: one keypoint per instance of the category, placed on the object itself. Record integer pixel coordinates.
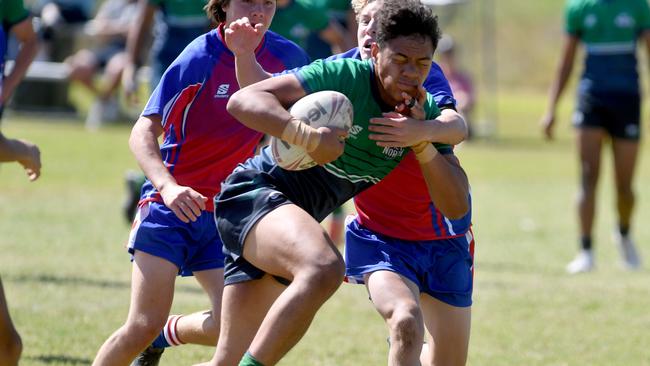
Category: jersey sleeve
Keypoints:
(179, 85)
(573, 18)
(295, 57)
(13, 12)
(437, 85)
(332, 75)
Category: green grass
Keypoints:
(66, 272)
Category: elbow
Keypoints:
(462, 130)
(234, 106)
(136, 139)
(457, 210)
(133, 139)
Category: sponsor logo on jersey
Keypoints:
(393, 152)
(624, 20)
(222, 91)
(590, 21)
(354, 131)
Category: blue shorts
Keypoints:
(440, 268)
(192, 247)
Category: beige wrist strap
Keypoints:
(297, 132)
(424, 152)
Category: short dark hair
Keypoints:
(214, 9)
(398, 18)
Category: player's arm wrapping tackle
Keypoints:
(424, 152)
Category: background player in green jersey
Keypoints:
(15, 18)
(608, 107)
(268, 217)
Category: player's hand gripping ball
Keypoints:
(321, 109)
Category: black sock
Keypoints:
(585, 242)
(624, 230)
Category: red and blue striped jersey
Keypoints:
(202, 143)
(399, 205)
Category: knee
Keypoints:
(143, 329)
(327, 274)
(589, 178)
(406, 326)
(625, 194)
(11, 349)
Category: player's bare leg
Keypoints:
(449, 329)
(590, 141)
(202, 327)
(11, 345)
(152, 292)
(397, 301)
(289, 243)
(625, 158)
(250, 300)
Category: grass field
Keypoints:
(66, 272)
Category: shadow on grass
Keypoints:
(67, 360)
(82, 281)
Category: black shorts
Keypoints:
(618, 114)
(246, 196)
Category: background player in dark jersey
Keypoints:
(268, 217)
(174, 232)
(608, 107)
(15, 18)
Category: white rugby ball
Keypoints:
(325, 108)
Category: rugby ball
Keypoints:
(321, 109)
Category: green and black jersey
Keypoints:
(609, 29)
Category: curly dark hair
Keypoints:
(398, 18)
(214, 9)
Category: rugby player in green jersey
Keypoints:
(608, 108)
(280, 265)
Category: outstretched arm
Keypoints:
(445, 178)
(24, 32)
(405, 127)
(562, 76)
